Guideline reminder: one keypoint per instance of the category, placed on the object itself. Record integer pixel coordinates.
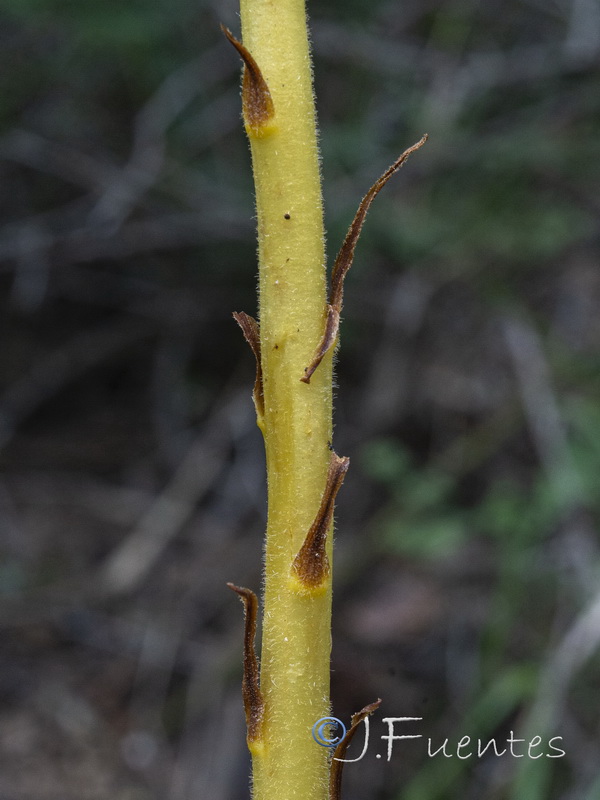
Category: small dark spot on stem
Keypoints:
(286, 216)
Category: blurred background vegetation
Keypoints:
(131, 473)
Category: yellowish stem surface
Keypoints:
(296, 638)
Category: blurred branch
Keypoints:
(165, 232)
(479, 70)
(58, 368)
(404, 307)
(129, 564)
(542, 409)
(147, 157)
(30, 149)
(33, 268)
(111, 503)
(580, 642)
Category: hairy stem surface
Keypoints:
(296, 422)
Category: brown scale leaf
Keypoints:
(344, 260)
(251, 333)
(332, 324)
(257, 103)
(335, 774)
(311, 565)
(251, 694)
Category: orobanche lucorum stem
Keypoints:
(293, 347)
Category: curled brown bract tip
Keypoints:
(311, 567)
(251, 694)
(257, 103)
(332, 324)
(335, 774)
(345, 257)
(251, 333)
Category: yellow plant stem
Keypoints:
(296, 638)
